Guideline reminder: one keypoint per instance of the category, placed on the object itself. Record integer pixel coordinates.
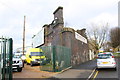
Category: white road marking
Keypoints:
(91, 74)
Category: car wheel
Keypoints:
(115, 69)
(24, 61)
(27, 63)
(97, 68)
(19, 69)
(31, 64)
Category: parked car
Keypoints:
(23, 58)
(17, 63)
(118, 52)
(106, 60)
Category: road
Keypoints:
(82, 71)
(108, 74)
(87, 71)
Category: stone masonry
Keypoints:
(57, 34)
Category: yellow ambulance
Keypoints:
(35, 56)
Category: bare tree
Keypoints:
(97, 35)
(115, 37)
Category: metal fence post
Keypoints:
(10, 47)
(4, 59)
(54, 52)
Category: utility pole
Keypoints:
(24, 35)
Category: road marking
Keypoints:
(91, 74)
(95, 75)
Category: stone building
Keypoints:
(56, 34)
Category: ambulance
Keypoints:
(35, 56)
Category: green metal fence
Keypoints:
(58, 58)
(5, 59)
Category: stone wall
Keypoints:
(57, 34)
(79, 49)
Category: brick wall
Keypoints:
(57, 34)
(79, 49)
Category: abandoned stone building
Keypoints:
(56, 34)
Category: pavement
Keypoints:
(29, 72)
(82, 71)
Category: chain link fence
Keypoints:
(58, 58)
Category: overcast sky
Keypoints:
(78, 14)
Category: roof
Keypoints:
(57, 9)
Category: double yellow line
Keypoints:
(95, 75)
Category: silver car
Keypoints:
(17, 63)
(106, 60)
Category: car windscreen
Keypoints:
(37, 54)
(16, 56)
(104, 56)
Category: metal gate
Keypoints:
(6, 58)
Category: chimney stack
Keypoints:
(58, 14)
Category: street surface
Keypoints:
(82, 72)
(32, 72)
(85, 70)
(108, 74)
